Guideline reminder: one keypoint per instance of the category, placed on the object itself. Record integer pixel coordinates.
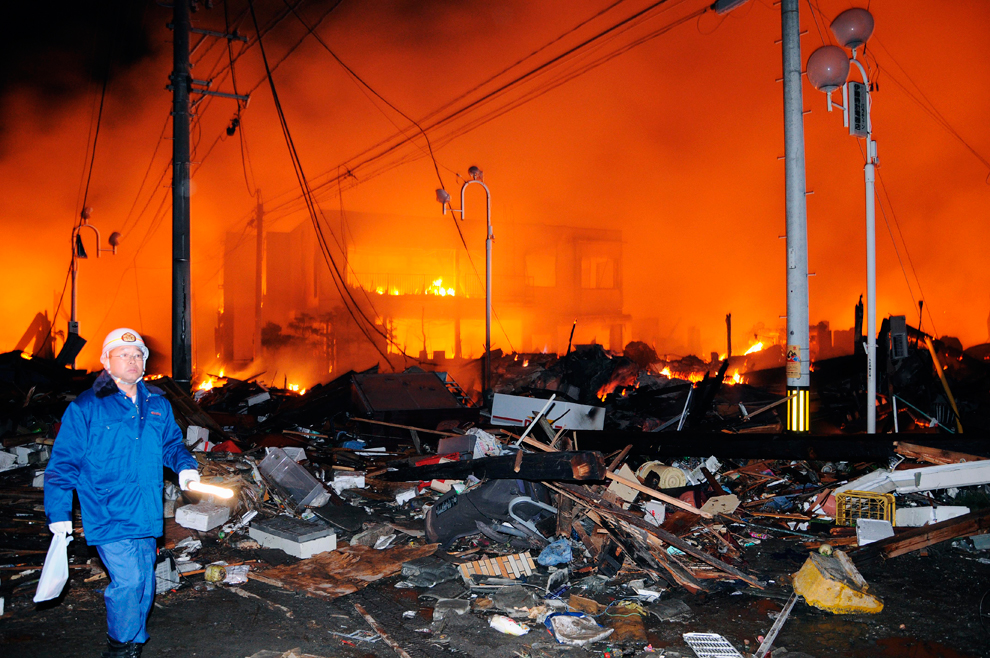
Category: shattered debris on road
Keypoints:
(603, 504)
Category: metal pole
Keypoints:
(259, 262)
(797, 370)
(181, 282)
(73, 320)
(488, 298)
(869, 173)
(871, 299)
(487, 374)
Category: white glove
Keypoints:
(65, 527)
(186, 476)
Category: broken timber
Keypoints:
(974, 523)
(568, 466)
(676, 445)
(635, 525)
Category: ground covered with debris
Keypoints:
(596, 505)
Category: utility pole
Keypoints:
(181, 86)
(259, 221)
(797, 352)
(181, 280)
(728, 335)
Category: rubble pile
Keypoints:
(531, 514)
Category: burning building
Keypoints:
(424, 291)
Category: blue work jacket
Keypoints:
(111, 450)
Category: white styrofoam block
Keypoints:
(7, 460)
(915, 517)
(25, 454)
(404, 497)
(196, 434)
(349, 481)
(655, 512)
(202, 516)
(259, 398)
(871, 530)
(39, 479)
(298, 549)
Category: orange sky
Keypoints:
(676, 142)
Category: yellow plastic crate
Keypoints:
(852, 505)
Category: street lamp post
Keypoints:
(828, 69)
(477, 176)
(79, 251)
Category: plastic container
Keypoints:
(852, 505)
(293, 482)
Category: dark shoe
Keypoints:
(132, 650)
(115, 649)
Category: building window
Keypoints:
(597, 272)
(541, 269)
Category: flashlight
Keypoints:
(220, 492)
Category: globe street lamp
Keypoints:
(477, 176)
(828, 70)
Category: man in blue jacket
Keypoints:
(110, 450)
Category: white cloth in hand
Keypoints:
(64, 527)
(186, 476)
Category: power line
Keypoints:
(304, 185)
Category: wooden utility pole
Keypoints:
(181, 85)
(181, 279)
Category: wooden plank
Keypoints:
(602, 508)
(676, 502)
(933, 455)
(381, 631)
(974, 523)
(567, 466)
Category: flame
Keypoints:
(693, 377)
(438, 289)
(525, 363)
(27, 355)
(211, 382)
(736, 379)
(380, 290)
(721, 357)
(755, 348)
(295, 388)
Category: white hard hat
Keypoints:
(120, 338)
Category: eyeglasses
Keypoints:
(136, 358)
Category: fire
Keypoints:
(736, 379)
(379, 290)
(755, 348)
(438, 289)
(693, 377)
(525, 363)
(296, 389)
(211, 382)
(27, 355)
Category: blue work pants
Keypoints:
(131, 564)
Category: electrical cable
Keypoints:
(339, 281)
(921, 291)
(89, 177)
(158, 143)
